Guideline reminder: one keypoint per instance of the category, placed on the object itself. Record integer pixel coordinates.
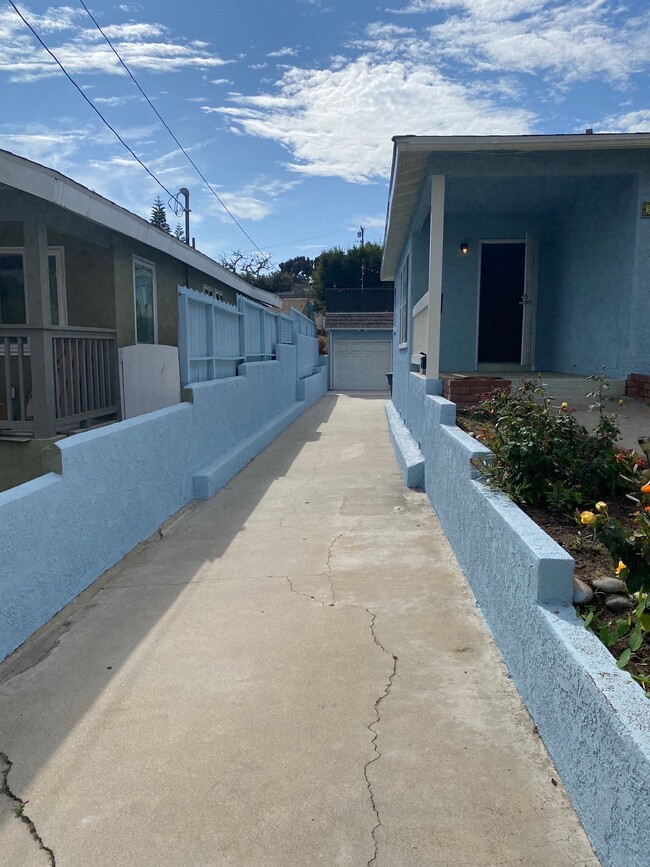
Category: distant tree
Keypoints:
(179, 232)
(252, 267)
(342, 269)
(159, 216)
(300, 267)
(248, 266)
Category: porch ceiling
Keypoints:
(515, 195)
(411, 155)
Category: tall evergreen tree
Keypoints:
(159, 216)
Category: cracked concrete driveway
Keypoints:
(293, 673)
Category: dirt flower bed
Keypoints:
(589, 495)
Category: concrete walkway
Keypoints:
(293, 673)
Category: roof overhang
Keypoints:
(50, 185)
(409, 167)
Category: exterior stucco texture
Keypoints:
(593, 718)
(117, 484)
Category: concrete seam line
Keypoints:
(19, 809)
(375, 735)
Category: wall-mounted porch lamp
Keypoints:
(464, 248)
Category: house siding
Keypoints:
(89, 281)
(594, 265)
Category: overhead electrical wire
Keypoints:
(90, 102)
(173, 197)
(164, 123)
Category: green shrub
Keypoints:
(541, 456)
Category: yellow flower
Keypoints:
(564, 405)
(621, 566)
(621, 402)
(601, 507)
(588, 517)
(646, 489)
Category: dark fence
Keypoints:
(359, 300)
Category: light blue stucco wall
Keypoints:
(118, 483)
(307, 349)
(639, 320)
(593, 718)
(594, 266)
(584, 315)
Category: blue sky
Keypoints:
(288, 107)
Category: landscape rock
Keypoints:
(619, 604)
(609, 585)
(582, 592)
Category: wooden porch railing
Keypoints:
(83, 372)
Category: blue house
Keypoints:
(513, 254)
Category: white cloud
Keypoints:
(369, 222)
(255, 201)
(82, 49)
(631, 121)
(113, 101)
(283, 52)
(563, 40)
(340, 122)
(220, 81)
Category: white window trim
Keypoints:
(403, 305)
(138, 260)
(58, 253)
(212, 292)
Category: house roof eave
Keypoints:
(52, 186)
(411, 153)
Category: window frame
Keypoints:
(212, 292)
(138, 260)
(403, 305)
(62, 297)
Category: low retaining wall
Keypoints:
(110, 488)
(637, 385)
(467, 391)
(593, 718)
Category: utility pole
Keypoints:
(361, 234)
(186, 195)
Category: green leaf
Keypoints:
(644, 620)
(604, 635)
(590, 617)
(620, 629)
(624, 658)
(636, 639)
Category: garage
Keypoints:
(360, 365)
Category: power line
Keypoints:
(90, 103)
(164, 123)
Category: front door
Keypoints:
(501, 288)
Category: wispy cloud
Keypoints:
(340, 122)
(114, 101)
(602, 39)
(283, 52)
(82, 49)
(254, 201)
(631, 121)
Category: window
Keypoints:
(403, 304)
(144, 288)
(212, 292)
(13, 306)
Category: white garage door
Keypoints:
(361, 365)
